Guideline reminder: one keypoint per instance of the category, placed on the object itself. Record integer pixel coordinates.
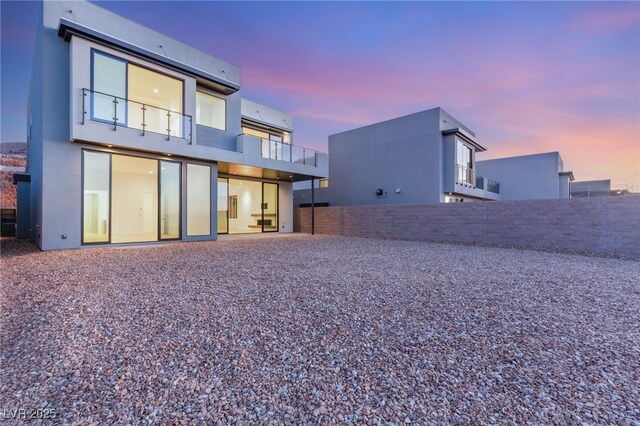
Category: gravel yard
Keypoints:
(320, 330)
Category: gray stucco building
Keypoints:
(426, 157)
(136, 137)
(529, 177)
(429, 157)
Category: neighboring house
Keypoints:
(529, 177)
(597, 188)
(136, 137)
(426, 157)
(429, 157)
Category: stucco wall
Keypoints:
(526, 177)
(602, 225)
(404, 153)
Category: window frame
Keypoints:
(187, 164)
(207, 93)
(123, 123)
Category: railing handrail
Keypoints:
(283, 143)
(137, 102)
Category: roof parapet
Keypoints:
(68, 28)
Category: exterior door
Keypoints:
(269, 207)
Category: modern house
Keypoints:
(136, 137)
(429, 157)
(529, 177)
(421, 158)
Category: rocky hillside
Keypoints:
(13, 159)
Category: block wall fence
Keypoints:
(608, 225)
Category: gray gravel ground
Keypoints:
(320, 330)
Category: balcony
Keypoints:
(468, 183)
(275, 155)
(465, 176)
(275, 150)
(126, 113)
(488, 184)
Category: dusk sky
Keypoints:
(527, 77)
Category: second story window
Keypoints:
(132, 96)
(464, 155)
(464, 164)
(211, 111)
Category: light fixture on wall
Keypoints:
(381, 193)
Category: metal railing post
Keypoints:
(84, 109)
(168, 125)
(144, 118)
(115, 113)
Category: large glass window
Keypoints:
(160, 95)
(136, 97)
(211, 111)
(95, 201)
(169, 200)
(198, 200)
(134, 198)
(464, 164)
(464, 155)
(109, 83)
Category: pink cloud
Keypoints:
(617, 17)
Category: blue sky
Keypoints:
(525, 76)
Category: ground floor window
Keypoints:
(129, 199)
(246, 206)
(170, 194)
(198, 200)
(96, 174)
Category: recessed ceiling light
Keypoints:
(168, 155)
(156, 91)
(150, 172)
(110, 146)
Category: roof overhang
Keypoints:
(238, 171)
(264, 124)
(68, 28)
(570, 174)
(467, 137)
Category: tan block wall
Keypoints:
(602, 225)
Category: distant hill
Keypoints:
(13, 158)
(13, 148)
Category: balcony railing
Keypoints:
(465, 176)
(121, 112)
(488, 184)
(276, 150)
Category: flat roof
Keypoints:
(67, 28)
(463, 134)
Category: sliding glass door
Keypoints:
(269, 207)
(170, 192)
(129, 199)
(96, 183)
(246, 206)
(223, 206)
